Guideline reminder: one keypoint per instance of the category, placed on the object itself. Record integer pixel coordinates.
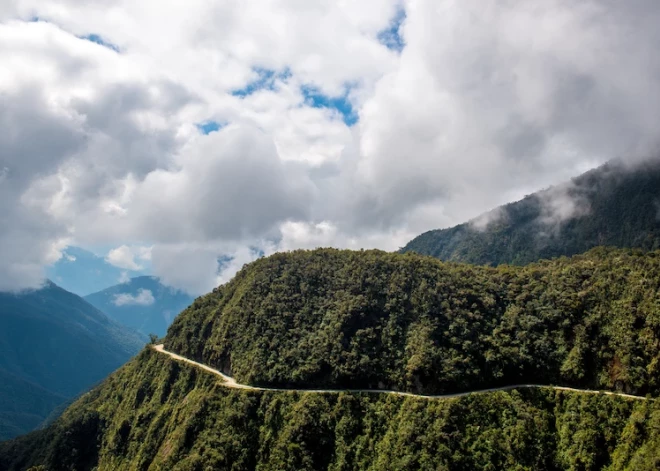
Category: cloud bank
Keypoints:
(207, 130)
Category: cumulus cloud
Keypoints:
(127, 258)
(187, 266)
(515, 95)
(144, 297)
(461, 106)
(228, 185)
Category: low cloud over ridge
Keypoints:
(144, 297)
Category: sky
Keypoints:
(192, 137)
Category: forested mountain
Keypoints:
(23, 405)
(142, 303)
(53, 346)
(612, 205)
(373, 319)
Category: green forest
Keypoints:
(156, 413)
(371, 319)
(615, 206)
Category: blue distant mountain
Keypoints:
(143, 304)
(53, 346)
(82, 272)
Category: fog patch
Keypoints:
(561, 203)
(486, 220)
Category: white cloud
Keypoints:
(190, 267)
(239, 258)
(486, 102)
(144, 297)
(127, 258)
(561, 203)
(483, 221)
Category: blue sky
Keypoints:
(391, 37)
(341, 104)
(207, 127)
(266, 80)
(83, 272)
(95, 38)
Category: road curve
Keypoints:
(230, 382)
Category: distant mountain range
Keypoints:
(611, 205)
(53, 346)
(83, 272)
(23, 405)
(143, 304)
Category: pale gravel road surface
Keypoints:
(230, 382)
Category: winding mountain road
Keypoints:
(230, 382)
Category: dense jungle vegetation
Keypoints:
(156, 413)
(372, 319)
(612, 205)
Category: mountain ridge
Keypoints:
(55, 345)
(142, 303)
(611, 205)
(371, 320)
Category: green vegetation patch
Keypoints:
(158, 414)
(370, 319)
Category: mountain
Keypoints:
(23, 405)
(612, 205)
(53, 346)
(142, 303)
(83, 272)
(372, 319)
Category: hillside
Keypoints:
(155, 413)
(372, 319)
(53, 345)
(142, 303)
(611, 205)
(23, 405)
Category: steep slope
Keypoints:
(23, 405)
(53, 345)
(155, 413)
(142, 303)
(370, 319)
(611, 205)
